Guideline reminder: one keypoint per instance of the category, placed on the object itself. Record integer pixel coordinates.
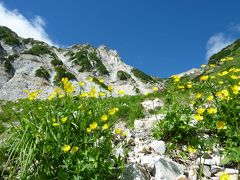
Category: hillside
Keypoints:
(188, 130)
(34, 65)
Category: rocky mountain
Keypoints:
(34, 65)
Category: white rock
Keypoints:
(152, 104)
(148, 162)
(231, 171)
(138, 124)
(167, 169)
(181, 177)
(158, 146)
(135, 172)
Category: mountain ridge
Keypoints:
(32, 64)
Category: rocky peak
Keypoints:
(34, 65)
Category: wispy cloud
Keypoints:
(24, 27)
(235, 27)
(217, 42)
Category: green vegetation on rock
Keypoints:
(88, 61)
(56, 62)
(123, 75)
(39, 50)
(42, 73)
(9, 37)
(61, 72)
(142, 76)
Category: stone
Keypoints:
(138, 124)
(158, 146)
(231, 171)
(135, 172)
(206, 171)
(192, 172)
(152, 104)
(167, 169)
(148, 162)
(182, 177)
(215, 169)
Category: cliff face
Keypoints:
(34, 65)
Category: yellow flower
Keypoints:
(88, 130)
(229, 58)
(204, 78)
(81, 84)
(210, 98)
(74, 149)
(83, 94)
(220, 82)
(64, 119)
(181, 87)
(212, 65)
(105, 126)
(235, 89)
(224, 94)
(124, 134)
(203, 65)
(225, 176)
(221, 125)
(176, 78)
(224, 73)
(101, 94)
(198, 117)
(90, 79)
(200, 111)
(51, 96)
(118, 130)
(212, 77)
(32, 95)
(212, 110)
(112, 111)
(189, 85)
(146, 93)
(198, 95)
(68, 87)
(223, 59)
(55, 124)
(121, 92)
(66, 148)
(110, 88)
(101, 80)
(26, 91)
(116, 109)
(93, 125)
(233, 77)
(155, 88)
(54, 120)
(64, 80)
(191, 149)
(104, 117)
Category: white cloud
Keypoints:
(216, 43)
(235, 27)
(22, 26)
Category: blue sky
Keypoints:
(159, 37)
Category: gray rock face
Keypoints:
(135, 172)
(166, 169)
(26, 61)
(2, 51)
